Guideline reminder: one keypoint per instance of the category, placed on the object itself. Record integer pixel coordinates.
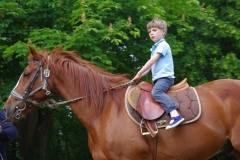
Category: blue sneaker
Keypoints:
(176, 121)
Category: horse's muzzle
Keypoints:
(9, 111)
(13, 113)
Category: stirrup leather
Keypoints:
(147, 133)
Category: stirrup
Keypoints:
(147, 133)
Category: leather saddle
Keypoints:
(140, 98)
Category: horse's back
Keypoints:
(220, 95)
(222, 90)
(221, 83)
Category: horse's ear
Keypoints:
(32, 51)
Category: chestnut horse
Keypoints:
(112, 134)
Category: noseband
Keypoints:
(28, 93)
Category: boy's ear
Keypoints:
(164, 31)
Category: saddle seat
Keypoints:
(140, 98)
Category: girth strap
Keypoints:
(152, 140)
(152, 143)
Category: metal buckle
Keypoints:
(46, 73)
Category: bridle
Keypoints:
(25, 98)
(28, 93)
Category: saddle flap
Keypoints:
(148, 108)
(142, 101)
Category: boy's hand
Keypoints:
(136, 78)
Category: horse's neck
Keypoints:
(84, 113)
(110, 113)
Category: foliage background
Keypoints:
(204, 38)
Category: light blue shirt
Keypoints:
(163, 67)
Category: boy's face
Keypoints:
(156, 34)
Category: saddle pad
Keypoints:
(189, 107)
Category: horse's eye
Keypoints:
(26, 74)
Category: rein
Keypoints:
(51, 103)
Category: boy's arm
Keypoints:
(146, 72)
(146, 68)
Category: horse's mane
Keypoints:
(86, 79)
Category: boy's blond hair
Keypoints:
(157, 23)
